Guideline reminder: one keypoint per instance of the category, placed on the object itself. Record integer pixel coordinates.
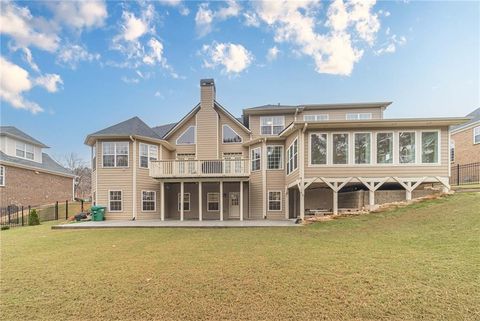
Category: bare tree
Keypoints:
(83, 172)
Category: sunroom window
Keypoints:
(340, 148)
(429, 147)
(362, 148)
(384, 148)
(318, 149)
(406, 148)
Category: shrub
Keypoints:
(33, 218)
(5, 227)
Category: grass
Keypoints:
(412, 263)
(466, 186)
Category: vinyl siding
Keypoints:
(146, 183)
(256, 190)
(341, 114)
(295, 174)
(173, 140)
(207, 125)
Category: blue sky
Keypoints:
(69, 69)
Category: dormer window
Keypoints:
(24, 150)
(272, 125)
(187, 137)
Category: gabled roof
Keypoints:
(163, 129)
(14, 132)
(47, 164)
(475, 118)
(293, 108)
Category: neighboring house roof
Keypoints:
(47, 164)
(293, 108)
(14, 132)
(163, 129)
(475, 118)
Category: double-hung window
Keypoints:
(24, 150)
(319, 117)
(406, 147)
(363, 148)
(148, 153)
(274, 157)
(115, 201)
(274, 200)
(430, 147)
(476, 135)
(318, 149)
(340, 148)
(271, 125)
(384, 148)
(256, 159)
(2, 175)
(358, 116)
(148, 201)
(115, 154)
(213, 202)
(186, 202)
(292, 157)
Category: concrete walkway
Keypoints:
(175, 224)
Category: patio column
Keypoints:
(287, 203)
(221, 200)
(371, 198)
(162, 201)
(335, 202)
(181, 200)
(200, 206)
(241, 201)
(302, 203)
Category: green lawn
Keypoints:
(417, 262)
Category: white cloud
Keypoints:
(159, 95)
(205, 17)
(80, 14)
(251, 19)
(130, 80)
(272, 53)
(155, 53)
(50, 82)
(390, 46)
(133, 27)
(333, 51)
(233, 57)
(184, 11)
(71, 55)
(27, 55)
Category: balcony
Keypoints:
(200, 168)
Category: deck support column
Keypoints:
(287, 203)
(371, 198)
(221, 200)
(241, 201)
(335, 202)
(181, 200)
(200, 205)
(302, 204)
(162, 201)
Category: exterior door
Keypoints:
(234, 205)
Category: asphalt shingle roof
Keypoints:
(17, 133)
(132, 126)
(47, 164)
(475, 117)
(163, 129)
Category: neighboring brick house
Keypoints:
(27, 175)
(465, 140)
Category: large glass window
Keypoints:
(406, 147)
(363, 148)
(230, 136)
(148, 153)
(2, 175)
(213, 202)
(271, 125)
(318, 149)
(319, 117)
(274, 157)
(429, 147)
(187, 137)
(292, 157)
(340, 148)
(115, 154)
(358, 116)
(148, 201)
(274, 200)
(476, 135)
(115, 201)
(256, 159)
(186, 202)
(384, 148)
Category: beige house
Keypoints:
(276, 162)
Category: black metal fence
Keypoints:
(465, 174)
(17, 215)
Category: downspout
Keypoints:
(134, 183)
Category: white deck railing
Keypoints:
(200, 168)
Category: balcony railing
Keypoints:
(200, 168)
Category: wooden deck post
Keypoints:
(162, 201)
(181, 200)
(221, 200)
(200, 198)
(241, 201)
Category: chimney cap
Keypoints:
(207, 82)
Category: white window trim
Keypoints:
(154, 201)
(281, 158)
(179, 202)
(439, 147)
(358, 117)
(213, 193)
(194, 136)
(310, 164)
(474, 129)
(418, 148)
(375, 149)
(272, 134)
(259, 158)
(371, 149)
(233, 130)
(121, 201)
(326, 116)
(288, 159)
(148, 155)
(25, 150)
(268, 200)
(115, 155)
(350, 159)
(3, 174)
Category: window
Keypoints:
(452, 150)
(148, 153)
(384, 148)
(186, 202)
(358, 116)
(24, 150)
(2, 175)
(213, 202)
(319, 117)
(274, 157)
(187, 137)
(476, 135)
(406, 148)
(292, 157)
(230, 136)
(274, 200)
(272, 125)
(429, 147)
(94, 157)
(115, 201)
(256, 159)
(115, 154)
(362, 148)
(340, 148)
(318, 149)
(148, 201)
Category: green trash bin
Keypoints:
(98, 213)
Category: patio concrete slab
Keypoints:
(176, 224)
